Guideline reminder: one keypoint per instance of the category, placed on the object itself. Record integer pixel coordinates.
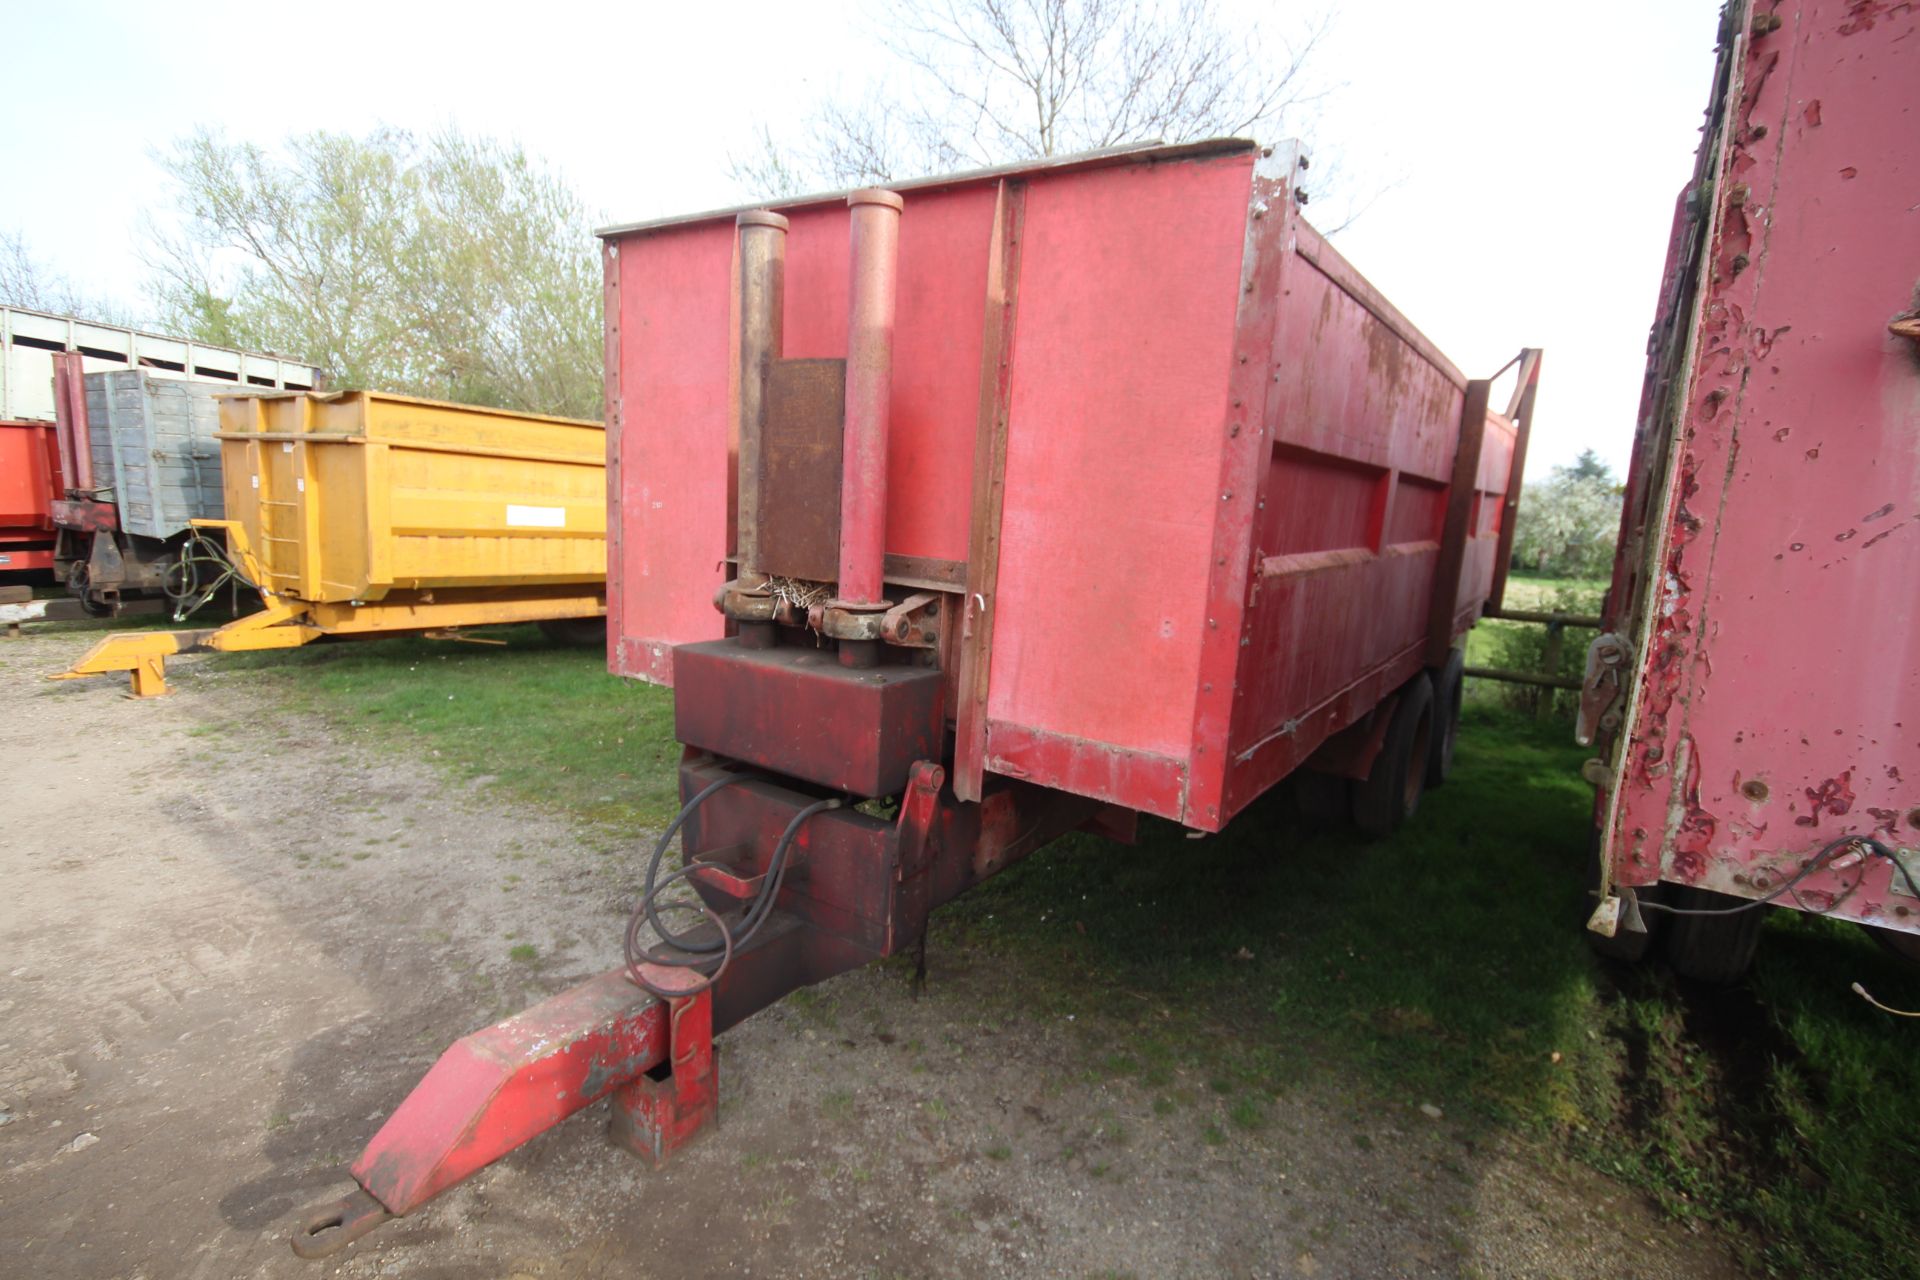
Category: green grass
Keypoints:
(545, 721)
(1444, 966)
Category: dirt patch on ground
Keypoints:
(232, 940)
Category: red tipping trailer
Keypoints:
(1177, 476)
(1756, 696)
(1031, 500)
(30, 483)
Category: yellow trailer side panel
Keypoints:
(347, 496)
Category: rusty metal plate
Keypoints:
(798, 711)
(799, 534)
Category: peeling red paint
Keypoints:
(1693, 838)
(1834, 796)
(1883, 535)
(1862, 14)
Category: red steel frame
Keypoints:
(1762, 593)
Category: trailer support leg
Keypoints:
(149, 677)
(663, 1110)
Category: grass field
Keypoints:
(1444, 966)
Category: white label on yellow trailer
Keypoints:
(519, 517)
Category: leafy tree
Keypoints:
(1590, 466)
(1568, 524)
(981, 82)
(451, 267)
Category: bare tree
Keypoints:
(26, 281)
(980, 82)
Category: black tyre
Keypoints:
(1391, 793)
(1716, 949)
(575, 631)
(1449, 686)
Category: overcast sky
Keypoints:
(1528, 154)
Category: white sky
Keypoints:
(1530, 150)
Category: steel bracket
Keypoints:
(660, 1112)
(1600, 689)
(914, 623)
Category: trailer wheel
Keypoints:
(583, 632)
(1449, 687)
(1392, 790)
(1715, 949)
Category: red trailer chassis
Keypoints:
(1756, 695)
(896, 483)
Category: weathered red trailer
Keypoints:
(1031, 500)
(30, 483)
(1756, 695)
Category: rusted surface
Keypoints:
(1458, 528)
(655, 1117)
(1771, 504)
(762, 267)
(796, 710)
(861, 887)
(800, 456)
(927, 573)
(989, 490)
(70, 418)
(1520, 410)
(874, 222)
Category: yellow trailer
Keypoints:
(360, 512)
